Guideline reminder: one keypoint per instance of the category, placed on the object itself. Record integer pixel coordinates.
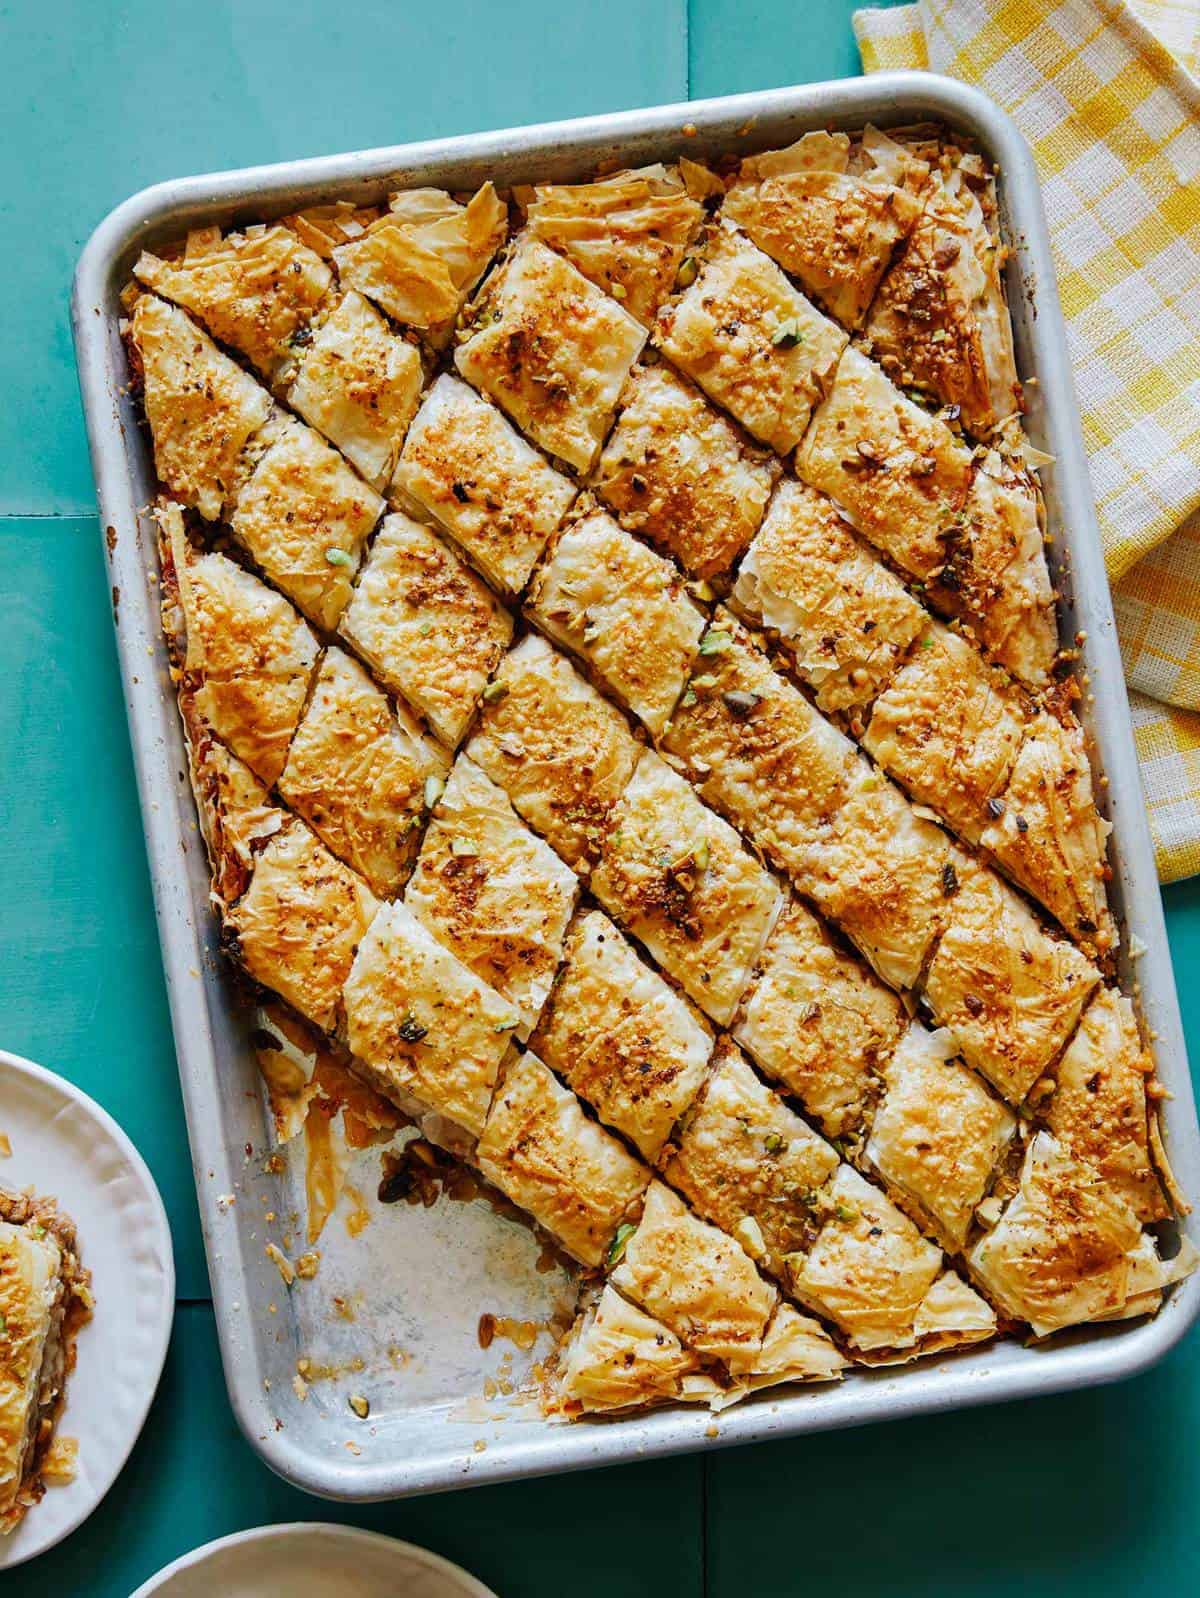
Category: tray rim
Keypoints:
(1090, 1356)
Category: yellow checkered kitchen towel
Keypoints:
(1103, 93)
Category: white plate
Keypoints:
(312, 1561)
(69, 1148)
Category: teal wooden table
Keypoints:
(1093, 1493)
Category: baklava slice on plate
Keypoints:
(44, 1298)
(562, 752)
(751, 341)
(621, 1037)
(682, 882)
(497, 896)
(845, 619)
(428, 627)
(466, 466)
(683, 475)
(623, 610)
(575, 1179)
(551, 349)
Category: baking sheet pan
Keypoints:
(414, 1282)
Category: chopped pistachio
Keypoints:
(688, 271)
(619, 291)
(616, 1249)
(463, 846)
(507, 1025)
(773, 1143)
(715, 642)
(701, 590)
(845, 1212)
(788, 334)
(359, 1405)
(689, 698)
(493, 692)
(707, 680)
(425, 627)
(337, 557)
(433, 791)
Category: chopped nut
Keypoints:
(359, 1405)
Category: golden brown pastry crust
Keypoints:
(623, 609)
(428, 628)
(618, 1357)
(1099, 1109)
(561, 752)
(466, 466)
(305, 517)
(497, 896)
(682, 882)
(623, 1039)
(254, 290)
(820, 1022)
(202, 408)
(356, 771)
(1009, 992)
(751, 341)
(948, 729)
(695, 1279)
(552, 350)
(747, 1163)
(680, 473)
(573, 1177)
(897, 473)
(845, 619)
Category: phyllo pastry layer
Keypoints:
(1099, 1108)
(884, 875)
(244, 656)
(44, 1298)
(623, 609)
(680, 473)
(466, 466)
(626, 233)
(561, 752)
(254, 290)
(948, 728)
(938, 1135)
(1009, 992)
(618, 1357)
(305, 517)
(428, 628)
(869, 1269)
(834, 229)
(202, 408)
(750, 1165)
(1047, 833)
(552, 350)
(845, 618)
(757, 749)
(298, 924)
(818, 1021)
(358, 383)
(573, 1177)
(683, 883)
(1061, 1253)
(624, 1040)
(424, 255)
(492, 892)
(897, 473)
(421, 1020)
(795, 1348)
(357, 771)
(695, 1279)
(751, 341)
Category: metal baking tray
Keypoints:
(418, 1279)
